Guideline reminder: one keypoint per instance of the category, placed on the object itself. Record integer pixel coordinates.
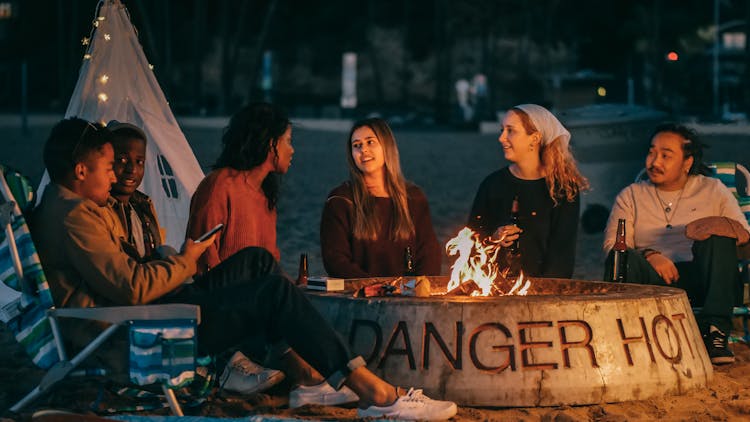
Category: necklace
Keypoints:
(667, 206)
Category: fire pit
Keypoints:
(564, 342)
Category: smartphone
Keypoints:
(210, 233)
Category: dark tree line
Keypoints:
(208, 54)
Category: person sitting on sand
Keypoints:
(674, 236)
(369, 221)
(544, 183)
(242, 299)
(242, 193)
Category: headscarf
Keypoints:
(547, 124)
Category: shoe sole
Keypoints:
(722, 360)
(270, 382)
(446, 414)
(294, 404)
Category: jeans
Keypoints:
(711, 279)
(246, 298)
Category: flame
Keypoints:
(477, 262)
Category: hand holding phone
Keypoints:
(210, 233)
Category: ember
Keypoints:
(476, 271)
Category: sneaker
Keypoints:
(413, 406)
(322, 394)
(243, 376)
(717, 347)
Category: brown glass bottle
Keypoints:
(302, 273)
(620, 264)
(514, 247)
(408, 262)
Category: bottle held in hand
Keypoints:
(514, 247)
(620, 249)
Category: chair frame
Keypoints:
(117, 316)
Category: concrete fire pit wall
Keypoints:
(570, 342)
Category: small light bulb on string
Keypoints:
(103, 97)
(104, 79)
(101, 18)
(86, 56)
(107, 37)
(150, 66)
(96, 23)
(85, 41)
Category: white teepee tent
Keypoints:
(116, 82)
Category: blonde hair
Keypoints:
(366, 223)
(561, 173)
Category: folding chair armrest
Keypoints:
(120, 314)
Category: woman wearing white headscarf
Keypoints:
(545, 181)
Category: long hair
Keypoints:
(693, 146)
(564, 180)
(366, 224)
(253, 131)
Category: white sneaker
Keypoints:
(322, 394)
(413, 406)
(243, 376)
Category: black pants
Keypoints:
(246, 297)
(710, 280)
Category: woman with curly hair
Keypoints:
(369, 221)
(243, 189)
(544, 183)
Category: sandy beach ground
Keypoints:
(449, 167)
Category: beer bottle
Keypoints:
(302, 274)
(514, 248)
(408, 262)
(620, 249)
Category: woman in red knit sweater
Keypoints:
(369, 221)
(241, 192)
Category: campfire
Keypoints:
(476, 271)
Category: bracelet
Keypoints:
(648, 252)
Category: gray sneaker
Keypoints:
(243, 376)
(412, 406)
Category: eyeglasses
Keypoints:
(79, 142)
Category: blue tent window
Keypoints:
(167, 177)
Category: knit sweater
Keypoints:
(548, 240)
(646, 216)
(225, 196)
(347, 257)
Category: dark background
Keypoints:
(207, 55)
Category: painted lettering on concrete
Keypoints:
(494, 347)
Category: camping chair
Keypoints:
(162, 337)
(729, 173)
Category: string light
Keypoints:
(103, 79)
(107, 37)
(103, 97)
(150, 66)
(86, 56)
(96, 24)
(101, 18)
(85, 41)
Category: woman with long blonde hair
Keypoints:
(544, 182)
(369, 221)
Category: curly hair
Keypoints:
(561, 173)
(253, 131)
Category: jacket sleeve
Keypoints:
(336, 234)
(208, 207)
(559, 261)
(95, 252)
(429, 253)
